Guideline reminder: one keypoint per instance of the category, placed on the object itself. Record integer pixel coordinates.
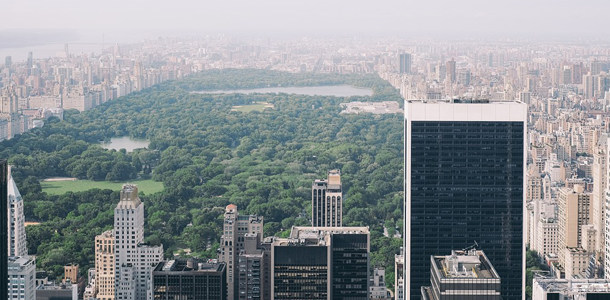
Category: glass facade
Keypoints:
(466, 186)
(300, 272)
(350, 266)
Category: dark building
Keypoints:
(327, 201)
(189, 280)
(4, 229)
(463, 275)
(321, 263)
(404, 63)
(464, 182)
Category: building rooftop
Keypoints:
(189, 265)
(465, 264)
(573, 285)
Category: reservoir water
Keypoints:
(329, 90)
(126, 143)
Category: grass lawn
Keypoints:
(147, 186)
(260, 106)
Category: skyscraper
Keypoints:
(321, 263)
(327, 201)
(134, 260)
(104, 266)
(235, 228)
(4, 229)
(190, 280)
(450, 67)
(464, 183)
(404, 63)
(17, 240)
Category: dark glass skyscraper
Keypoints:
(4, 229)
(464, 183)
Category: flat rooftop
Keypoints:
(465, 264)
(574, 285)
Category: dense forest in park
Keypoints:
(207, 156)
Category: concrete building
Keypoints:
(378, 289)
(71, 272)
(573, 212)
(52, 291)
(321, 263)
(134, 260)
(547, 241)
(576, 262)
(452, 148)
(235, 228)
(104, 266)
(189, 279)
(462, 275)
(21, 278)
(570, 289)
(254, 265)
(327, 201)
(404, 63)
(399, 276)
(9, 113)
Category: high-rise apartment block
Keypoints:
(21, 278)
(321, 263)
(573, 213)
(465, 183)
(404, 63)
(189, 279)
(254, 265)
(9, 113)
(327, 201)
(104, 266)
(451, 73)
(462, 275)
(235, 228)
(134, 260)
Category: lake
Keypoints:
(126, 143)
(329, 90)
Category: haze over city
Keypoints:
(286, 150)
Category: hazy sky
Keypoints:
(573, 18)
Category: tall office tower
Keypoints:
(590, 85)
(30, 62)
(525, 97)
(104, 266)
(573, 212)
(577, 73)
(190, 279)
(462, 275)
(606, 231)
(399, 275)
(327, 201)
(17, 241)
(235, 228)
(598, 201)
(4, 227)
(321, 263)
(490, 60)
(254, 269)
(404, 63)
(465, 182)
(22, 277)
(8, 64)
(134, 260)
(451, 75)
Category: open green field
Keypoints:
(147, 186)
(259, 106)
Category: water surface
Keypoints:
(126, 143)
(328, 90)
